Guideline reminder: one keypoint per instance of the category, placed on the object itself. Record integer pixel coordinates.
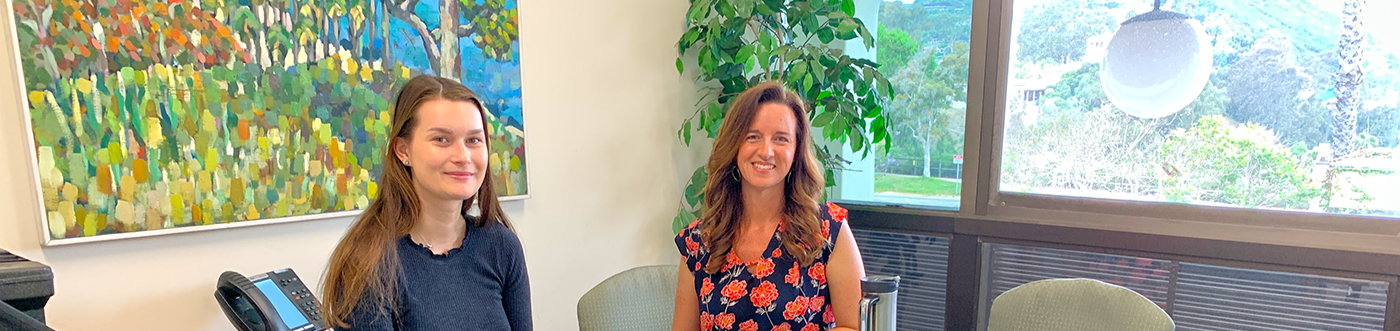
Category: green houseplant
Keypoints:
(739, 43)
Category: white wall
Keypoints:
(602, 102)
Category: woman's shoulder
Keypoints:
(833, 217)
(689, 241)
(830, 211)
(496, 232)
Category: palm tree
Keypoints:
(1349, 51)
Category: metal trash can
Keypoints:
(877, 307)
(26, 285)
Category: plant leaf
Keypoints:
(798, 70)
(825, 35)
(743, 8)
(791, 54)
(824, 119)
(807, 82)
(858, 141)
(849, 7)
(686, 132)
(745, 53)
(865, 35)
(815, 67)
(878, 127)
(698, 10)
(695, 190)
(677, 223)
(680, 67)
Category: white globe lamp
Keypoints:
(1156, 63)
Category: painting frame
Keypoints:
(45, 215)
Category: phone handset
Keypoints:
(273, 301)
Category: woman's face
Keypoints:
(765, 156)
(446, 152)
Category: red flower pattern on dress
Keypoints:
(707, 321)
(795, 308)
(725, 321)
(818, 272)
(750, 325)
(706, 287)
(816, 303)
(732, 260)
(735, 290)
(809, 313)
(794, 276)
(837, 213)
(762, 268)
(764, 294)
(691, 245)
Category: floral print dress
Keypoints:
(772, 293)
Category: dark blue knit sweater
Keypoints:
(480, 286)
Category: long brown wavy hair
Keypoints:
(723, 205)
(365, 265)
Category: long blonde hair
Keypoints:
(365, 265)
(724, 205)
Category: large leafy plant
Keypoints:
(741, 43)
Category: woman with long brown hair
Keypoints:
(765, 254)
(415, 259)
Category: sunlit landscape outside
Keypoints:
(923, 46)
(1299, 112)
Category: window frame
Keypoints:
(1296, 241)
(981, 196)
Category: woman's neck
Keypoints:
(762, 207)
(440, 225)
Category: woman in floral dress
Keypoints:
(765, 254)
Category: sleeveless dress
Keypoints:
(777, 294)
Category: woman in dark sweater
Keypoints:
(415, 259)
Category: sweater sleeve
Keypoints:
(370, 316)
(515, 296)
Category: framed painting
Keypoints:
(152, 117)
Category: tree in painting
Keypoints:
(151, 115)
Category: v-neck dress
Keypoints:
(771, 293)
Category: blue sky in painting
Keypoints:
(498, 83)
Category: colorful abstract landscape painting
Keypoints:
(151, 115)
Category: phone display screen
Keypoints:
(291, 316)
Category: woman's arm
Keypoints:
(843, 273)
(368, 316)
(687, 315)
(515, 296)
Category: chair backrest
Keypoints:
(640, 299)
(1078, 305)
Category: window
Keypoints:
(1231, 205)
(923, 47)
(1275, 126)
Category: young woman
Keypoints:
(765, 255)
(416, 259)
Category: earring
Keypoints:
(735, 173)
(405, 162)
